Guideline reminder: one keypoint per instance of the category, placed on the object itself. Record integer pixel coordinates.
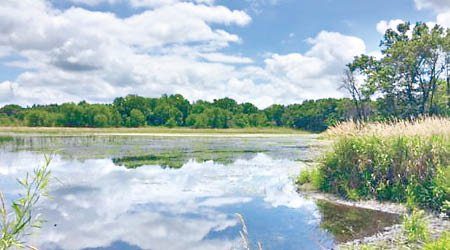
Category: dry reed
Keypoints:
(423, 127)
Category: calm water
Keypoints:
(178, 193)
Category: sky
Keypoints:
(259, 51)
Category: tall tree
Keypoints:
(414, 58)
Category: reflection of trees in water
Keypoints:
(347, 223)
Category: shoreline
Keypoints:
(391, 236)
(153, 132)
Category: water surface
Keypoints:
(121, 192)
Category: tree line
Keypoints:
(176, 111)
(410, 80)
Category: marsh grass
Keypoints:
(424, 127)
(19, 219)
(416, 226)
(383, 161)
(443, 243)
(309, 179)
(5, 139)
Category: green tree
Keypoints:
(274, 114)
(136, 118)
(408, 74)
(37, 118)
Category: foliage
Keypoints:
(16, 223)
(176, 111)
(408, 79)
(443, 243)
(416, 226)
(390, 164)
(309, 175)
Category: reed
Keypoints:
(424, 127)
(390, 161)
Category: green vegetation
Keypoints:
(401, 161)
(150, 130)
(163, 160)
(409, 77)
(390, 162)
(416, 226)
(21, 219)
(4, 139)
(415, 234)
(175, 111)
(442, 243)
(309, 179)
(176, 159)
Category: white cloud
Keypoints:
(218, 57)
(93, 2)
(436, 5)
(443, 19)
(178, 209)
(77, 54)
(156, 3)
(384, 25)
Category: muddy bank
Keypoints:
(377, 235)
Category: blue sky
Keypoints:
(262, 51)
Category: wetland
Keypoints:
(156, 192)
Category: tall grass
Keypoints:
(443, 243)
(244, 234)
(390, 161)
(16, 222)
(424, 127)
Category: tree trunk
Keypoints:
(448, 81)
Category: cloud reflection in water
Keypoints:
(100, 205)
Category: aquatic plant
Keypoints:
(18, 221)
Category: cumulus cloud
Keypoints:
(77, 54)
(384, 25)
(443, 19)
(139, 3)
(436, 5)
(178, 210)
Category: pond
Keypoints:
(140, 192)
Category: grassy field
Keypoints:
(149, 130)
